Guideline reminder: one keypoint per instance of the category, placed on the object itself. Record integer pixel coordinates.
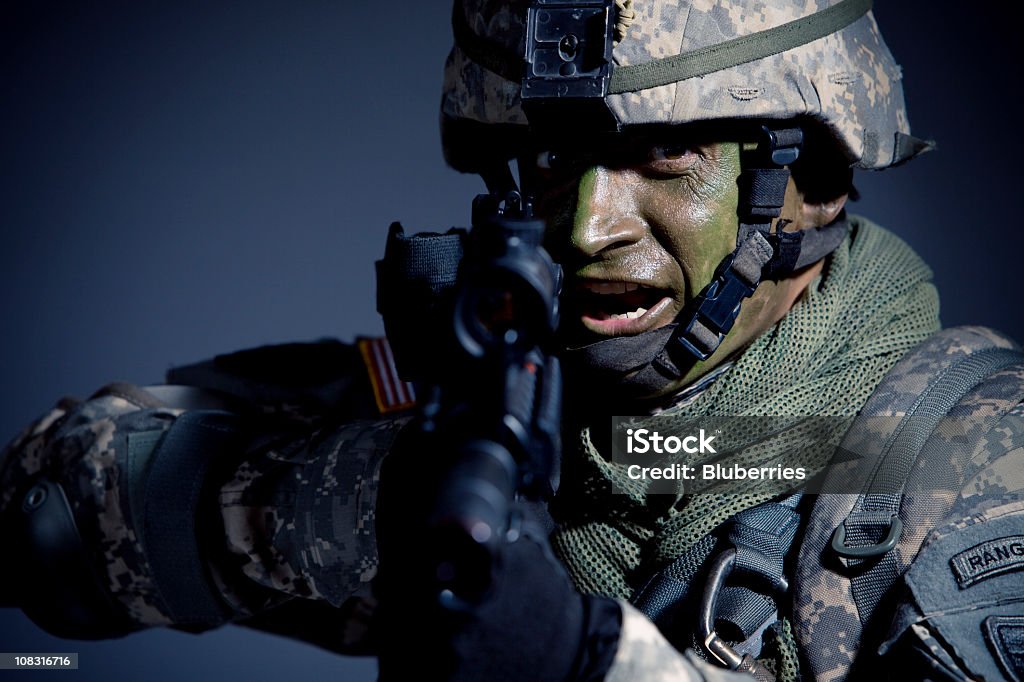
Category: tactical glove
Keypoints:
(530, 624)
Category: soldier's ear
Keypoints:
(819, 213)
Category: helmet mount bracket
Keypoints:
(568, 65)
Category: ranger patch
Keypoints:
(988, 559)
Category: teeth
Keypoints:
(610, 287)
(630, 315)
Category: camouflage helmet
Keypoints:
(684, 61)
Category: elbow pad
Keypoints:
(50, 573)
(57, 571)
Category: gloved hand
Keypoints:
(530, 625)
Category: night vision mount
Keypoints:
(568, 65)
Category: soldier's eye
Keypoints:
(671, 159)
(556, 167)
(547, 160)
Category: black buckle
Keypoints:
(716, 308)
(867, 551)
(779, 147)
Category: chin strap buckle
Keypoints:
(763, 183)
(716, 308)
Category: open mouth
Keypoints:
(618, 308)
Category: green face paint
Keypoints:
(640, 238)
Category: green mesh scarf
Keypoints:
(873, 302)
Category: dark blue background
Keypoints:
(183, 179)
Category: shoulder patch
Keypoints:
(988, 559)
(1005, 636)
(391, 393)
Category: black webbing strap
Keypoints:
(762, 185)
(425, 262)
(762, 537)
(796, 250)
(764, 178)
(415, 282)
(173, 499)
(664, 591)
(872, 529)
(761, 189)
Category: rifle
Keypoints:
(477, 340)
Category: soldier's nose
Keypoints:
(606, 215)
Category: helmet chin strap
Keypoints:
(645, 363)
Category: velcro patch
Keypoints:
(988, 560)
(1005, 635)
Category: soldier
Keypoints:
(727, 166)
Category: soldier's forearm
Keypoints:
(298, 517)
(161, 540)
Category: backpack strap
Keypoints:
(870, 531)
(857, 544)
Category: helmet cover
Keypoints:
(846, 80)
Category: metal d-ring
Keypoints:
(867, 551)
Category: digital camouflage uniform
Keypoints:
(297, 515)
(289, 544)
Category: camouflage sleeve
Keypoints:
(298, 517)
(292, 516)
(644, 655)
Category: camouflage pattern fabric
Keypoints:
(298, 515)
(973, 464)
(847, 81)
(84, 446)
(964, 609)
